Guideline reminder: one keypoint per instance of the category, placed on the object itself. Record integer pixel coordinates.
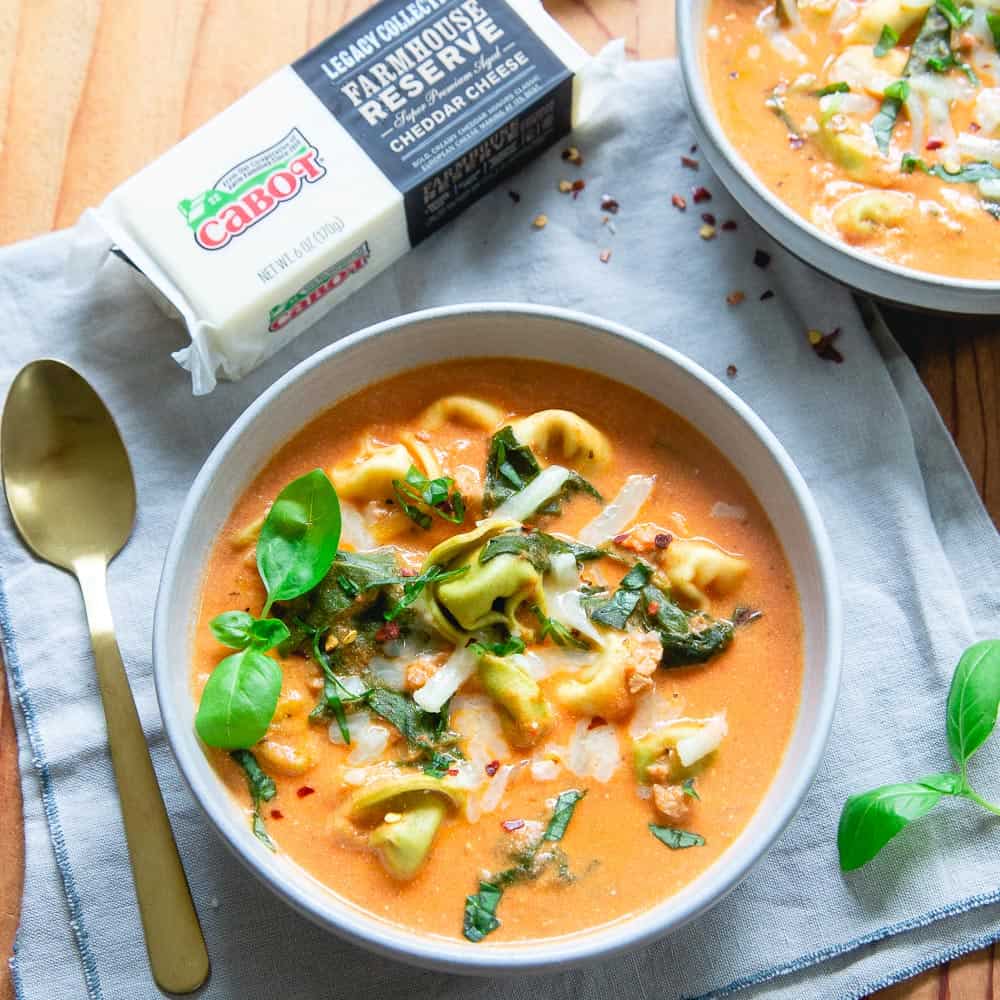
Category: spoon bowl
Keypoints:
(67, 475)
(71, 493)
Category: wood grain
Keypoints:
(83, 105)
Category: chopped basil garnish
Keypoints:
(420, 497)
(616, 612)
(885, 121)
(262, 789)
(506, 648)
(480, 916)
(562, 814)
(559, 633)
(413, 586)
(886, 41)
(993, 20)
(687, 787)
(676, 839)
(537, 547)
(834, 88)
(970, 173)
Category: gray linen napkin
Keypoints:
(918, 556)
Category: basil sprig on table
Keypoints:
(870, 820)
(297, 545)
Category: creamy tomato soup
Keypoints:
(540, 681)
(878, 120)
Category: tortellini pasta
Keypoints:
(462, 410)
(285, 748)
(525, 714)
(695, 567)
(580, 442)
(677, 747)
(371, 476)
(465, 604)
(410, 809)
(601, 688)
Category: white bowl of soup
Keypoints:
(498, 638)
(864, 135)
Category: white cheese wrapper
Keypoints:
(260, 222)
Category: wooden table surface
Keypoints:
(82, 106)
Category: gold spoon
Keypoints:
(70, 490)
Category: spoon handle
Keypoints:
(177, 953)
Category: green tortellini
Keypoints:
(524, 712)
(487, 594)
(601, 688)
(411, 808)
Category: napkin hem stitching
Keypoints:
(50, 807)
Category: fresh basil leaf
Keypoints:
(266, 633)
(886, 41)
(957, 16)
(510, 466)
(833, 88)
(537, 547)
(898, 90)
(262, 789)
(870, 820)
(973, 700)
(687, 787)
(481, 912)
(439, 763)
(676, 839)
(239, 700)
(420, 497)
(559, 633)
(949, 783)
(298, 540)
(993, 21)
(232, 628)
(562, 814)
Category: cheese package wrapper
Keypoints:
(261, 221)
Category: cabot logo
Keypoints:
(314, 290)
(252, 190)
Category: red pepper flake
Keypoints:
(605, 256)
(731, 371)
(735, 298)
(974, 126)
(305, 791)
(822, 344)
(596, 722)
(796, 141)
(694, 148)
(578, 185)
(653, 607)
(662, 540)
(277, 814)
(390, 630)
(453, 771)
(510, 825)
(609, 204)
(689, 162)
(708, 218)
(766, 294)
(934, 143)
(678, 202)
(730, 225)
(700, 194)
(761, 258)
(620, 539)
(514, 197)
(492, 767)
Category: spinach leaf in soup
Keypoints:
(562, 814)
(538, 548)
(239, 700)
(262, 789)
(676, 839)
(299, 537)
(616, 611)
(688, 637)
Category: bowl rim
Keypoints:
(689, 48)
(626, 934)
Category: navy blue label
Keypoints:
(447, 97)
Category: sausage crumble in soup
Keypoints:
(498, 648)
(877, 120)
